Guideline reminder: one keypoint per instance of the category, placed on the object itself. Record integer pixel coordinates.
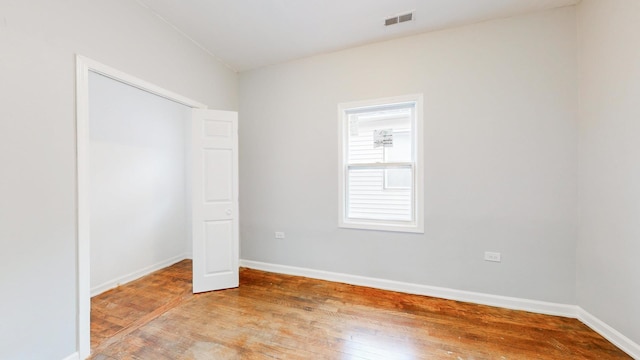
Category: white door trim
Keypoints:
(83, 66)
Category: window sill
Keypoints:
(412, 228)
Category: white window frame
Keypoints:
(417, 224)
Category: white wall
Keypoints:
(500, 149)
(39, 40)
(608, 284)
(138, 188)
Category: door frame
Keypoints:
(85, 65)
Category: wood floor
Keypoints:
(274, 316)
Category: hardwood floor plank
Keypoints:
(128, 307)
(273, 316)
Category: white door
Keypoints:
(214, 173)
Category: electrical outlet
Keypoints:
(279, 235)
(492, 256)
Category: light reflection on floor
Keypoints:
(377, 347)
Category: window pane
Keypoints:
(369, 199)
(397, 179)
(360, 148)
(401, 149)
(380, 135)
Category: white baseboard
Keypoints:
(73, 356)
(108, 285)
(624, 343)
(535, 306)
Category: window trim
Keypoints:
(415, 226)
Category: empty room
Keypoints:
(302, 179)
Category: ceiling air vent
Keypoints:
(398, 19)
(391, 21)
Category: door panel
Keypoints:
(214, 171)
(218, 249)
(218, 184)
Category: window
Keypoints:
(380, 164)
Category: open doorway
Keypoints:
(211, 180)
(138, 182)
(139, 193)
